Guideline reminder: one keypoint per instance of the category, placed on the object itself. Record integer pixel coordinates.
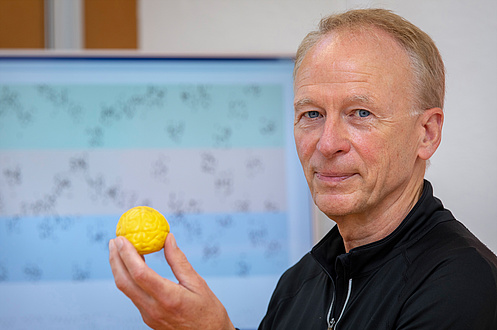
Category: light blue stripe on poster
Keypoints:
(55, 248)
(42, 116)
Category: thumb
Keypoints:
(182, 269)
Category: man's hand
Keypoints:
(163, 304)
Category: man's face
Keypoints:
(356, 137)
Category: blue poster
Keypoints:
(208, 143)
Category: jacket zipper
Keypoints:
(331, 320)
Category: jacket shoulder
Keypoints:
(451, 280)
(449, 244)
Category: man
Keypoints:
(369, 90)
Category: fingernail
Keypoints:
(111, 245)
(173, 241)
(119, 243)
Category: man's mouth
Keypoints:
(334, 177)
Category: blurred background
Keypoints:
(464, 169)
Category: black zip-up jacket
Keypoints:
(430, 273)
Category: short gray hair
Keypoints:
(427, 64)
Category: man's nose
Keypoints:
(334, 138)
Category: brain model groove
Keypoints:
(145, 228)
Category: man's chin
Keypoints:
(336, 205)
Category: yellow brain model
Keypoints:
(145, 228)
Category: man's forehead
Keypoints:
(343, 50)
(342, 58)
(337, 72)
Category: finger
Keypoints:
(142, 275)
(182, 269)
(122, 278)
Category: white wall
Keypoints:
(464, 170)
(228, 26)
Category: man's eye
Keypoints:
(312, 114)
(363, 113)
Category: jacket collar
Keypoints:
(330, 250)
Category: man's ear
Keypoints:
(431, 122)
